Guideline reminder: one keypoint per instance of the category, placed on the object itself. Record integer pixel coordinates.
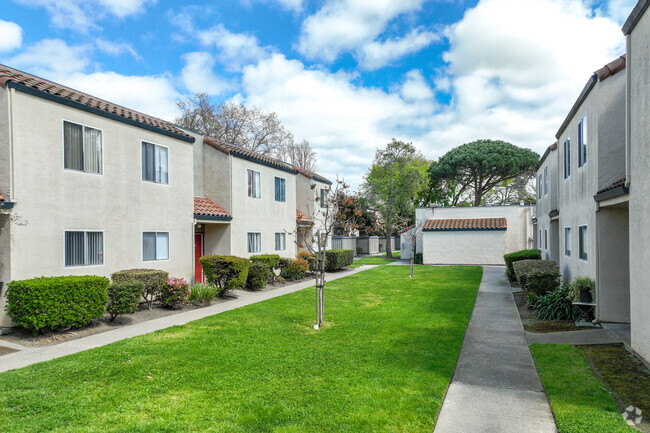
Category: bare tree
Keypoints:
(301, 155)
(198, 114)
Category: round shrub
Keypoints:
(296, 270)
(338, 259)
(225, 272)
(271, 260)
(258, 275)
(510, 258)
(284, 263)
(153, 280)
(309, 258)
(124, 298)
(47, 303)
(537, 276)
(174, 293)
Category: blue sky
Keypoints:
(347, 75)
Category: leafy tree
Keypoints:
(356, 208)
(513, 191)
(482, 165)
(392, 184)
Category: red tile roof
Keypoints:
(311, 175)
(301, 217)
(204, 207)
(228, 149)
(2, 198)
(9, 75)
(612, 68)
(406, 229)
(466, 224)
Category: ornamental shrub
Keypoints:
(582, 284)
(202, 294)
(47, 303)
(296, 270)
(271, 260)
(174, 293)
(537, 276)
(519, 255)
(309, 258)
(417, 258)
(338, 259)
(124, 298)
(225, 272)
(153, 280)
(258, 275)
(556, 305)
(284, 263)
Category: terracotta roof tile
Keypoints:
(204, 207)
(612, 68)
(2, 198)
(616, 184)
(228, 149)
(9, 75)
(466, 224)
(301, 217)
(311, 175)
(404, 230)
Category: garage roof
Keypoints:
(465, 224)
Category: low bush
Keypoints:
(417, 258)
(309, 258)
(202, 294)
(359, 250)
(271, 260)
(296, 270)
(153, 280)
(47, 303)
(580, 285)
(338, 259)
(225, 272)
(124, 298)
(174, 293)
(258, 275)
(519, 255)
(537, 276)
(531, 300)
(556, 305)
(284, 263)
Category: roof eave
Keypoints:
(635, 16)
(583, 95)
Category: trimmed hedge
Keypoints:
(338, 259)
(537, 276)
(284, 263)
(225, 272)
(154, 281)
(519, 255)
(258, 275)
(47, 303)
(124, 298)
(271, 260)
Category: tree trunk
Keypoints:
(389, 229)
(477, 195)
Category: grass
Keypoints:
(383, 362)
(374, 260)
(580, 402)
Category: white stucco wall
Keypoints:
(639, 136)
(306, 192)
(50, 200)
(471, 247)
(544, 205)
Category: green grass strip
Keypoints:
(382, 363)
(580, 402)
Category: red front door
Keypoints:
(198, 253)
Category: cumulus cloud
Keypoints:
(198, 74)
(234, 49)
(377, 54)
(52, 58)
(292, 5)
(346, 25)
(11, 36)
(618, 10)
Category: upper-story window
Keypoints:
(567, 158)
(254, 185)
(155, 163)
(280, 194)
(82, 148)
(539, 186)
(323, 197)
(546, 180)
(582, 142)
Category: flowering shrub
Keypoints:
(296, 270)
(174, 293)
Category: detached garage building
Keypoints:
(477, 241)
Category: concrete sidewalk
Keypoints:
(496, 387)
(32, 355)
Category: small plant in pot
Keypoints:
(583, 289)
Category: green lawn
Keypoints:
(374, 260)
(382, 363)
(580, 401)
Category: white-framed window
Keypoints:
(567, 241)
(539, 186)
(280, 241)
(254, 184)
(567, 158)
(582, 242)
(280, 193)
(82, 148)
(155, 163)
(582, 142)
(83, 248)
(546, 180)
(545, 239)
(155, 246)
(323, 197)
(254, 242)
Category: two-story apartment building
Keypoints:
(546, 217)
(94, 187)
(312, 201)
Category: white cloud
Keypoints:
(235, 49)
(618, 10)
(198, 74)
(11, 36)
(122, 8)
(346, 25)
(52, 58)
(292, 5)
(376, 54)
(116, 48)
(415, 88)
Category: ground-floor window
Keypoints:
(567, 241)
(582, 240)
(280, 241)
(155, 246)
(83, 248)
(254, 242)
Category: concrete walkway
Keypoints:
(496, 387)
(32, 355)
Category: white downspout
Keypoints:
(628, 106)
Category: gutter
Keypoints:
(612, 193)
(583, 95)
(212, 218)
(7, 204)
